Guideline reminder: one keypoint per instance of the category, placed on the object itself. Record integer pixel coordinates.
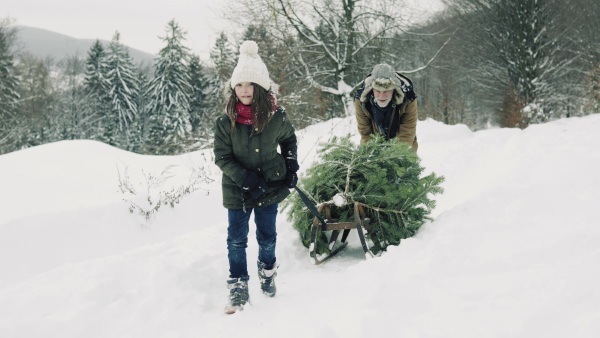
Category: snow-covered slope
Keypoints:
(512, 251)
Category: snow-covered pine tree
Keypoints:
(96, 87)
(9, 83)
(197, 86)
(206, 100)
(138, 127)
(169, 95)
(96, 69)
(384, 176)
(123, 89)
(200, 111)
(223, 56)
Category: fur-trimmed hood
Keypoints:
(383, 78)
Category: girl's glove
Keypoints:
(254, 185)
(291, 179)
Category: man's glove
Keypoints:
(254, 185)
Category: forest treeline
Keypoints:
(481, 63)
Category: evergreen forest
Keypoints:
(482, 63)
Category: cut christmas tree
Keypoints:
(384, 176)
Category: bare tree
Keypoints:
(330, 37)
(518, 43)
(458, 87)
(333, 34)
(582, 19)
(75, 121)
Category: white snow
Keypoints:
(339, 199)
(513, 251)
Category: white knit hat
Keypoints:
(250, 67)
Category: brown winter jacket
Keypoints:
(405, 113)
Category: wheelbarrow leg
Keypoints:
(333, 238)
(361, 222)
(331, 254)
(363, 241)
(313, 240)
(345, 235)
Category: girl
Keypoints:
(255, 176)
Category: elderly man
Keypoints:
(386, 104)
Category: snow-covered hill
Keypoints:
(513, 250)
(44, 44)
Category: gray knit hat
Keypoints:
(250, 67)
(382, 78)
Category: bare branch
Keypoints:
(430, 60)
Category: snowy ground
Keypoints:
(513, 251)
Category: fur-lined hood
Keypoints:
(383, 78)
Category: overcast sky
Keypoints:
(140, 23)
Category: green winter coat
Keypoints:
(239, 151)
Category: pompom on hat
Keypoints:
(250, 67)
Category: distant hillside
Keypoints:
(43, 43)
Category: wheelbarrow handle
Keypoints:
(310, 205)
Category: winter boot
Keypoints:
(267, 279)
(238, 295)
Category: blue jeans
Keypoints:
(237, 238)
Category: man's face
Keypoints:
(383, 98)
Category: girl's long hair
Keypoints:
(262, 107)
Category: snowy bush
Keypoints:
(147, 196)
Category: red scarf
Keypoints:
(244, 112)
